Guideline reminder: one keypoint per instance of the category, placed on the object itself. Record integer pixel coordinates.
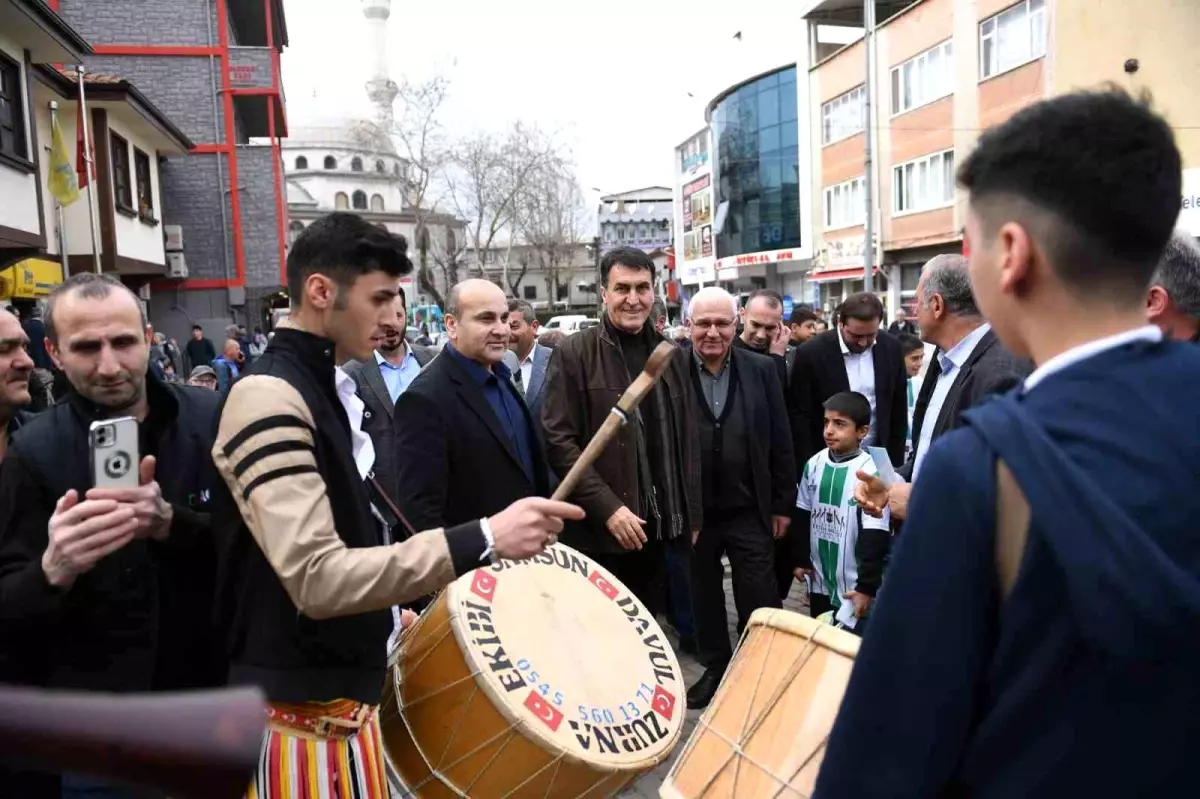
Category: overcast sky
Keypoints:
(615, 82)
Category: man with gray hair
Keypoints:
(968, 364)
(1173, 302)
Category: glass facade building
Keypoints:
(754, 130)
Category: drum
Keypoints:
(765, 732)
(540, 678)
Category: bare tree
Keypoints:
(552, 217)
(423, 142)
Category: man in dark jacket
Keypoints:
(1041, 617)
(643, 492)
(749, 485)
(109, 589)
(199, 350)
(16, 367)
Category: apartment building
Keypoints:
(944, 71)
(211, 66)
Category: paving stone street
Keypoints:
(647, 787)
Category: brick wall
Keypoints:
(192, 198)
(179, 86)
(145, 22)
(260, 216)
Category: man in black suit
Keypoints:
(968, 364)
(381, 379)
(465, 443)
(748, 479)
(902, 325)
(855, 356)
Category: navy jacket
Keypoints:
(1082, 683)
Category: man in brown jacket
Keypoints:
(643, 493)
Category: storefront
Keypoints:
(29, 280)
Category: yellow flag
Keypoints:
(64, 184)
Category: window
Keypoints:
(12, 114)
(1012, 38)
(294, 230)
(330, 162)
(923, 184)
(608, 233)
(341, 202)
(360, 200)
(923, 78)
(451, 241)
(380, 167)
(641, 234)
(301, 162)
(844, 116)
(530, 292)
(845, 204)
(145, 190)
(122, 192)
(377, 203)
(356, 164)
(396, 170)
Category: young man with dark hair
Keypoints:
(802, 325)
(199, 350)
(643, 492)
(1042, 611)
(856, 356)
(849, 547)
(913, 350)
(308, 580)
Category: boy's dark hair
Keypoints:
(344, 247)
(852, 405)
(801, 315)
(909, 343)
(1094, 177)
(629, 257)
(198, 327)
(863, 306)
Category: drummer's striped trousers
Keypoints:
(294, 764)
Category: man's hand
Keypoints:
(523, 529)
(870, 494)
(407, 617)
(779, 344)
(153, 513)
(779, 526)
(803, 572)
(862, 603)
(626, 527)
(695, 536)
(82, 533)
(898, 499)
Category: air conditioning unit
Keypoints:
(173, 237)
(176, 265)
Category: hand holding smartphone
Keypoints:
(113, 444)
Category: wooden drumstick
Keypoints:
(618, 416)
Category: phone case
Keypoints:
(113, 444)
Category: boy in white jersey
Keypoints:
(913, 350)
(839, 549)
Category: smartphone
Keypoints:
(114, 449)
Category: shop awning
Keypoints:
(29, 279)
(830, 275)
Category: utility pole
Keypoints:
(868, 155)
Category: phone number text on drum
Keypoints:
(597, 715)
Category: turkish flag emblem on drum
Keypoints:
(544, 711)
(663, 703)
(484, 585)
(606, 588)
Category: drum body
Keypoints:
(777, 704)
(544, 678)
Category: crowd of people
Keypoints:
(313, 491)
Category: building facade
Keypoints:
(555, 283)
(944, 71)
(211, 66)
(640, 218)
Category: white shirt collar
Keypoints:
(529, 358)
(360, 443)
(1090, 349)
(961, 352)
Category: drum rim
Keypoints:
(547, 742)
(839, 641)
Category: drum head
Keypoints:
(572, 657)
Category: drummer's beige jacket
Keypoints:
(273, 476)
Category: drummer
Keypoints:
(305, 580)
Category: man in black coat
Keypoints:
(109, 589)
(968, 364)
(747, 473)
(465, 443)
(855, 356)
(381, 379)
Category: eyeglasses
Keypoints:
(719, 324)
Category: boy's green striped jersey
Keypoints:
(827, 492)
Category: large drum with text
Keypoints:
(764, 734)
(540, 678)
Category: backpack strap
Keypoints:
(1012, 527)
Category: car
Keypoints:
(568, 324)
